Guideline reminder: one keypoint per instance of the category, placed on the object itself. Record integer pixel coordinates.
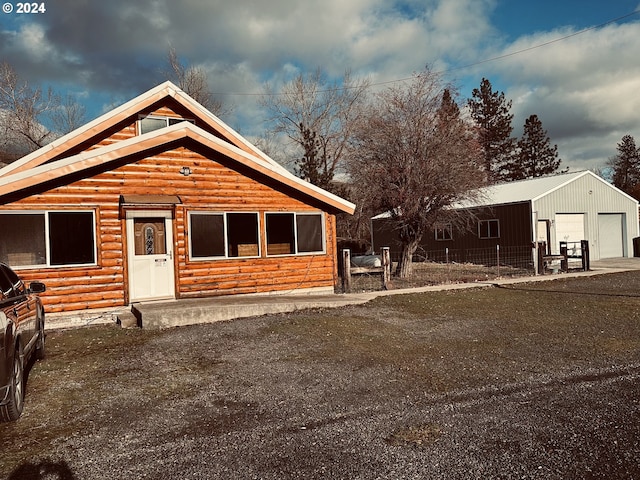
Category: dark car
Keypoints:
(21, 338)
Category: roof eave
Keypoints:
(100, 156)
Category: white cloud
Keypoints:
(583, 88)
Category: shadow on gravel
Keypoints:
(42, 470)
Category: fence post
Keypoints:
(564, 263)
(346, 270)
(446, 257)
(386, 267)
(498, 258)
(541, 252)
(586, 262)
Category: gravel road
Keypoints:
(431, 386)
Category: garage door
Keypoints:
(610, 235)
(569, 228)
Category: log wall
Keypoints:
(215, 185)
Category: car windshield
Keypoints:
(9, 282)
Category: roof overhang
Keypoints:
(168, 138)
(132, 108)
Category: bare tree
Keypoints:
(22, 109)
(194, 81)
(309, 106)
(414, 159)
(68, 116)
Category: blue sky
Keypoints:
(584, 88)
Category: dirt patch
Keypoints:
(531, 381)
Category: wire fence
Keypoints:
(433, 267)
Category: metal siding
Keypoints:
(590, 196)
(515, 229)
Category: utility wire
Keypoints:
(462, 67)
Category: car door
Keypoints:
(7, 318)
(23, 307)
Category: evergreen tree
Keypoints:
(449, 109)
(626, 167)
(535, 155)
(490, 110)
(313, 166)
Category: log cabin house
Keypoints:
(159, 199)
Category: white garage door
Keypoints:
(610, 235)
(569, 228)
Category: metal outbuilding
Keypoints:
(568, 207)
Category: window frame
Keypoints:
(166, 118)
(47, 237)
(296, 250)
(225, 227)
(489, 222)
(440, 230)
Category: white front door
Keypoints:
(150, 249)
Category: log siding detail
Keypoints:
(215, 184)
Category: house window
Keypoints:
(150, 123)
(48, 238)
(71, 238)
(291, 233)
(489, 228)
(444, 232)
(223, 235)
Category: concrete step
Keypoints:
(206, 310)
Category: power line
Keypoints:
(462, 67)
(556, 40)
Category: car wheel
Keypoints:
(13, 409)
(40, 347)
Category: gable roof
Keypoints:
(531, 189)
(528, 190)
(165, 90)
(169, 138)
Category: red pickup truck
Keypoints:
(21, 338)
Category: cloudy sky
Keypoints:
(574, 63)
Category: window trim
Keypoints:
(167, 119)
(295, 234)
(489, 222)
(226, 256)
(444, 227)
(47, 236)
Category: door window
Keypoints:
(150, 238)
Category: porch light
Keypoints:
(186, 171)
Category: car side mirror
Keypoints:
(37, 287)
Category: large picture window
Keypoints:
(291, 233)
(48, 238)
(226, 235)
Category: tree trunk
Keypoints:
(405, 265)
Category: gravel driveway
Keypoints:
(533, 382)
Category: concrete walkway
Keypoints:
(206, 310)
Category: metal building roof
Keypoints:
(523, 190)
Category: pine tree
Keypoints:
(449, 109)
(490, 110)
(313, 166)
(626, 167)
(536, 157)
